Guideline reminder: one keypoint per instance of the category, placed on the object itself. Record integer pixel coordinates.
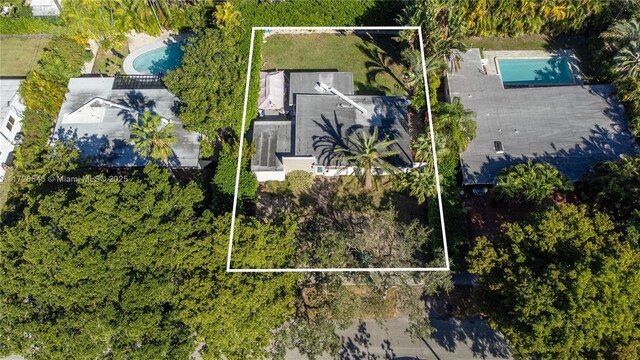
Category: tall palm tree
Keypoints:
(151, 139)
(368, 152)
(227, 16)
(457, 123)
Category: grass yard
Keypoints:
(5, 186)
(109, 62)
(18, 55)
(336, 53)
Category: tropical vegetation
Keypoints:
(80, 259)
(368, 154)
(530, 182)
(153, 139)
(563, 285)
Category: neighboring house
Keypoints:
(11, 109)
(319, 111)
(45, 7)
(97, 113)
(572, 126)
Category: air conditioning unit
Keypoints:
(319, 170)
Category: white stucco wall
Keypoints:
(7, 144)
(269, 175)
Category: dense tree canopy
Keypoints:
(564, 285)
(210, 82)
(79, 266)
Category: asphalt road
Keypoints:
(452, 340)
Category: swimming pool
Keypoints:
(535, 71)
(159, 60)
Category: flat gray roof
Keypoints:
(105, 138)
(324, 122)
(8, 89)
(272, 140)
(305, 82)
(571, 127)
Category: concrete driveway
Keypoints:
(452, 340)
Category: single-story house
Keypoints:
(97, 113)
(11, 109)
(572, 126)
(322, 112)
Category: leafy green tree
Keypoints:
(224, 180)
(368, 152)
(153, 139)
(227, 16)
(563, 285)
(613, 187)
(530, 182)
(235, 314)
(87, 270)
(210, 82)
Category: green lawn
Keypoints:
(108, 62)
(334, 52)
(529, 42)
(19, 55)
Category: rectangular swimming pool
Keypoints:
(535, 71)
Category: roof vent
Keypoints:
(497, 145)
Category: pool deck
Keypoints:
(142, 43)
(572, 126)
(572, 59)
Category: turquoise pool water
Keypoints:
(160, 60)
(535, 71)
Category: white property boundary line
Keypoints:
(433, 148)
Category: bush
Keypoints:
(43, 92)
(224, 179)
(530, 182)
(299, 181)
(30, 25)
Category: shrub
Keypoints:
(299, 181)
(530, 182)
(224, 179)
(43, 92)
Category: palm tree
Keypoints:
(457, 123)
(227, 16)
(421, 183)
(368, 152)
(530, 182)
(151, 139)
(423, 150)
(627, 60)
(621, 33)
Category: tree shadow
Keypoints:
(334, 136)
(483, 340)
(138, 103)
